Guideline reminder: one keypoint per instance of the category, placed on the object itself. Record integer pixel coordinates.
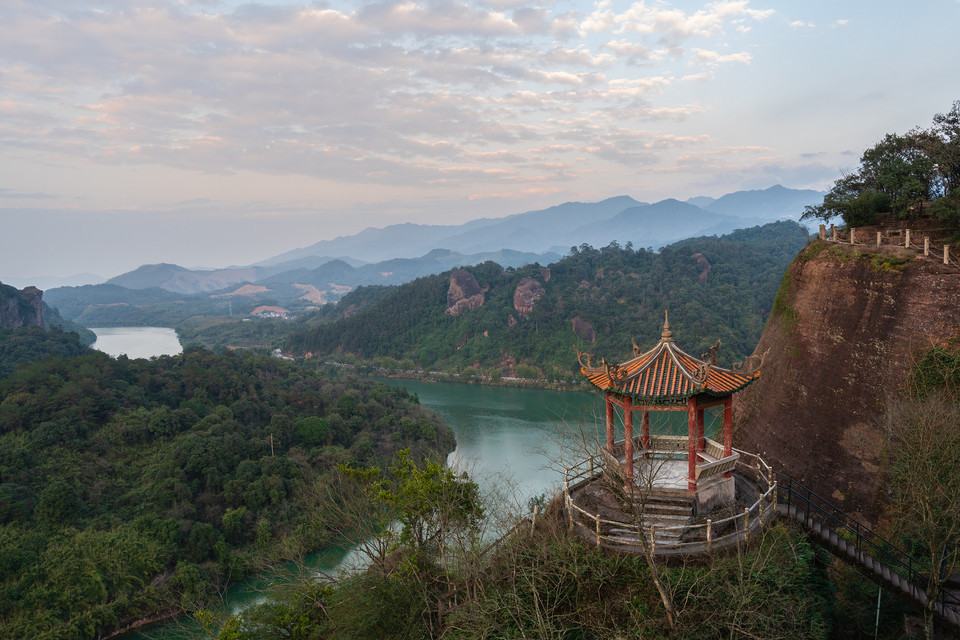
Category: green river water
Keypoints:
(503, 434)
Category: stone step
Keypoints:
(666, 507)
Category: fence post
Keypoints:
(851, 235)
(833, 232)
(566, 493)
(597, 517)
(710, 528)
(946, 254)
(926, 246)
(746, 524)
(878, 238)
(823, 232)
(906, 242)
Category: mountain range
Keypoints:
(308, 277)
(509, 241)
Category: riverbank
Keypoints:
(371, 370)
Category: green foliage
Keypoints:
(550, 584)
(713, 287)
(899, 174)
(129, 487)
(937, 371)
(430, 503)
(34, 343)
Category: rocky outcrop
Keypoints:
(583, 329)
(527, 293)
(21, 308)
(846, 326)
(545, 273)
(464, 293)
(704, 266)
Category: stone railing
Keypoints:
(895, 237)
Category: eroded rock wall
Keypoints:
(846, 327)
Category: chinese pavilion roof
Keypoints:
(666, 375)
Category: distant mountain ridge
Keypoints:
(570, 224)
(533, 233)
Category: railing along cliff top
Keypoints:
(894, 237)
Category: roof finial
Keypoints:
(667, 335)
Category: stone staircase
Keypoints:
(668, 514)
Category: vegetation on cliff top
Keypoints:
(899, 174)
(131, 487)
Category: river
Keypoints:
(505, 435)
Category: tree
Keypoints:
(924, 445)
(899, 167)
(945, 148)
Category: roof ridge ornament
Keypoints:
(667, 335)
(751, 364)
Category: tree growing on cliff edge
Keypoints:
(898, 174)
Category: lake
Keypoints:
(137, 342)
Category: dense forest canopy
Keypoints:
(27, 344)
(713, 287)
(130, 487)
(899, 174)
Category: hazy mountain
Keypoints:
(700, 201)
(539, 230)
(406, 240)
(571, 224)
(655, 225)
(178, 279)
(775, 202)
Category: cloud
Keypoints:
(394, 93)
(669, 25)
(713, 58)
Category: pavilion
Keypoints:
(665, 378)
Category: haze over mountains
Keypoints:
(323, 272)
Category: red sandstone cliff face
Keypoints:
(845, 328)
(527, 293)
(464, 293)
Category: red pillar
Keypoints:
(692, 444)
(645, 429)
(609, 424)
(628, 437)
(701, 442)
(728, 430)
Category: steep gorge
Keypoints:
(846, 326)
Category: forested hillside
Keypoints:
(33, 343)
(132, 487)
(595, 299)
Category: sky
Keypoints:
(212, 133)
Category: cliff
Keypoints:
(846, 326)
(21, 308)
